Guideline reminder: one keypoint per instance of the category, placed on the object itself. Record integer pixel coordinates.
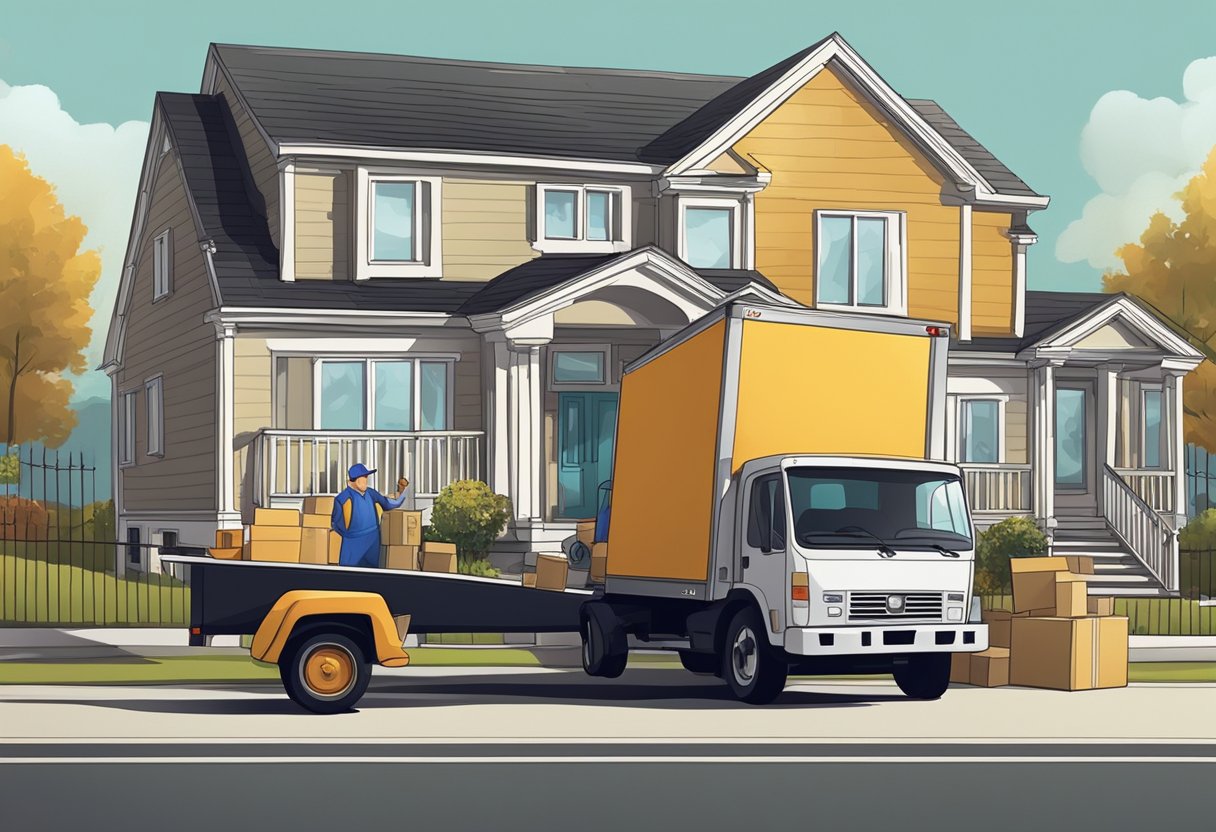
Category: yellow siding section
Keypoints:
(666, 453)
(485, 228)
(322, 220)
(851, 383)
(829, 148)
(991, 274)
(1015, 431)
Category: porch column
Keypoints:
(1107, 417)
(1177, 446)
(1044, 444)
(525, 417)
(496, 360)
(227, 514)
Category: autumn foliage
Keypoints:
(45, 282)
(1173, 268)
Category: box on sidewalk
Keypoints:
(1034, 582)
(438, 557)
(229, 538)
(1069, 653)
(960, 668)
(317, 504)
(1071, 598)
(599, 563)
(314, 546)
(400, 527)
(990, 668)
(1101, 605)
(335, 547)
(529, 579)
(551, 572)
(275, 551)
(586, 532)
(284, 533)
(998, 622)
(399, 557)
(276, 517)
(1080, 564)
(226, 552)
(315, 521)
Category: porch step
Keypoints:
(1074, 522)
(1087, 542)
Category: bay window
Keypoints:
(389, 394)
(859, 261)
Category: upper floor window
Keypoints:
(384, 394)
(859, 263)
(710, 232)
(162, 265)
(398, 222)
(573, 218)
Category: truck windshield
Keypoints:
(834, 507)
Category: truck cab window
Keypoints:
(766, 523)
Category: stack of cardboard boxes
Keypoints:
(402, 546)
(318, 542)
(1056, 637)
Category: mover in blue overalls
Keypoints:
(356, 518)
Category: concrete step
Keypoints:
(1075, 543)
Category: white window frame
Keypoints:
(126, 428)
(155, 427)
(369, 393)
(605, 352)
(961, 427)
(736, 226)
(428, 222)
(895, 265)
(1162, 441)
(162, 265)
(620, 232)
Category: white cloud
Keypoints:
(95, 171)
(1141, 152)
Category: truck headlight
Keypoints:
(835, 612)
(954, 614)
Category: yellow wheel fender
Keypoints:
(388, 631)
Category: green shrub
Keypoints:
(1200, 532)
(479, 568)
(470, 515)
(10, 469)
(1013, 537)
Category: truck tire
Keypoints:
(605, 650)
(752, 669)
(325, 673)
(923, 675)
(703, 664)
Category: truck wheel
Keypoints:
(924, 675)
(750, 667)
(604, 650)
(326, 674)
(703, 664)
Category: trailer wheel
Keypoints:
(605, 651)
(752, 670)
(703, 664)
(923, 675)
(326, 674)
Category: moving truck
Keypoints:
(775, 507)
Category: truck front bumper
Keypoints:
(912, 638)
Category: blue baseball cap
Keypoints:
(359, 470)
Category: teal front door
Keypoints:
(586, 433)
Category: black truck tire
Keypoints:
(923, 675)
(703, 664)
(325, 673)
(605, 649)
(752, 669)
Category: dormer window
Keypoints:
(398, 225)
(711, 233)
(582, 218)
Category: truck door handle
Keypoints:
(746, 561)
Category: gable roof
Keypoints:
(992, 169)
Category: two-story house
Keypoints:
(440, 268)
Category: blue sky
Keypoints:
(1023, 77)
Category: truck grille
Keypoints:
(872, 606)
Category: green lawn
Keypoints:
(1172, 672)
(1149, 616)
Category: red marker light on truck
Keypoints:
(935, 331)
(196, 631)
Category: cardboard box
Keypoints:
(529, 579)
(1100, 606)
(276, 517)
(1035, 588)
(226, 553)
(229, 538)
(399, 557)
(990, 668)
(599, 563)
(335, 546)
(276, 551)
(401, 528)
(284, 533)
(438, 557)
(1069, 653)
(960, 668)
(318, 505)
(586, 532)
(998, 627)
(315, 521)
(314, 546)
(1071, 598)
(1080, 564)
(551, 572)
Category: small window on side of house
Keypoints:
(126, 428)
(578, 367)
(155, 401)
(162, 264)
(1152, 428)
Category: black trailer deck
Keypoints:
(231, 597)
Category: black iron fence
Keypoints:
(1200, 480)
(61, 563)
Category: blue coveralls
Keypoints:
(359, 525)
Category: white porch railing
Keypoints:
(997, 487)
(1154, 486)
(1141, 528)
(295, 463)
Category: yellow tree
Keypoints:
(1173, 268)
(45, 282)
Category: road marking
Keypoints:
(551, 760)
